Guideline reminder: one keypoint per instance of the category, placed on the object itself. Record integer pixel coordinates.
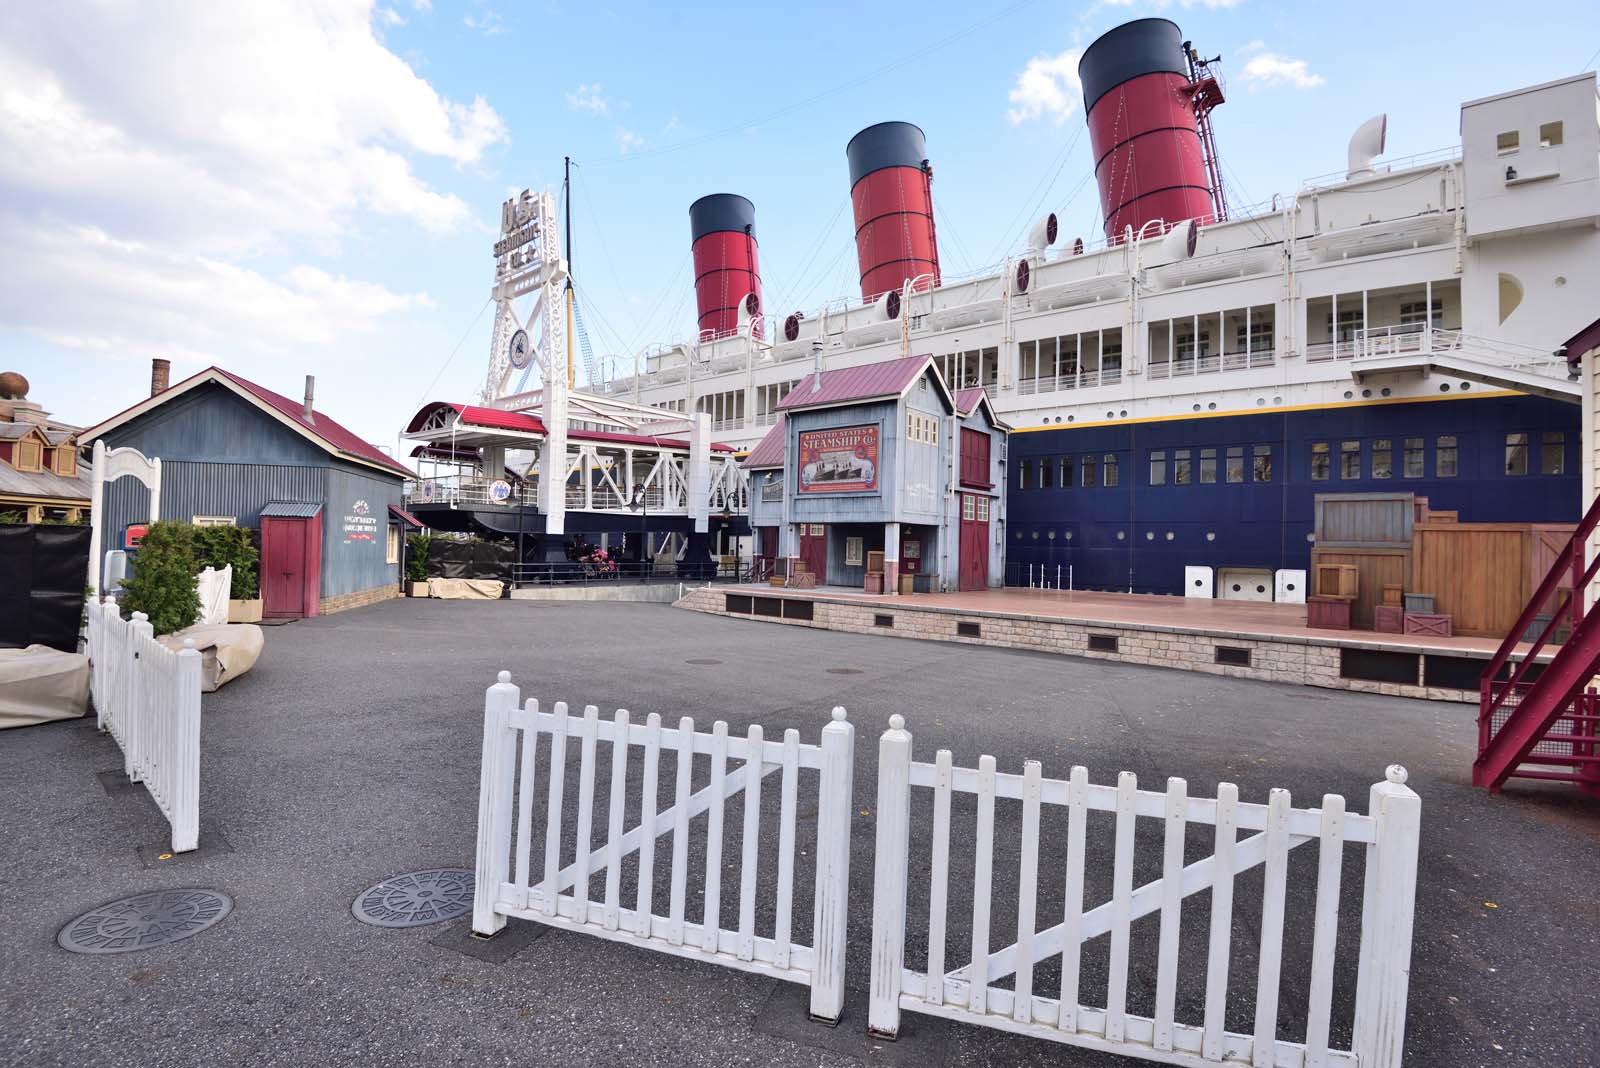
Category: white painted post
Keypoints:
(133, 727)
(834, 802)
(185, 756)
(494, 804)
(1384, 971)
(889, 879)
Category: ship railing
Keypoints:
(604, 499)
(458, 490)
(1187, 366)
(1106, 376)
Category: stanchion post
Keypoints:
(493, 862)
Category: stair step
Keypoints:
(1550, 776)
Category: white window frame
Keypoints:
(214, 521)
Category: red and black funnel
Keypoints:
(891, 192)
(726, 271)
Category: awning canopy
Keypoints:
(405, 516)
(292, 509)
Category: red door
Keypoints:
(290, 566)
(973, 567)
(814, 549)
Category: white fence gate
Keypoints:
(148, 697)
(968, 993)
(507, 885)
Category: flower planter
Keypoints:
(416, 589)
(244, 611)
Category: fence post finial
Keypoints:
(835, 800)
(889, 879)
(1388, 901)
(498, 775)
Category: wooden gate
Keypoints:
(968, 993)
(290, 565)
(973, 567)
(507, 885)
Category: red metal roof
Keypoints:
(522, 422)
(851, 385)
(770, 452)
(967, 399)
(404, 516)
(332, 434)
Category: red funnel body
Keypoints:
(1149, 162)
(892, 195)
(726, 271)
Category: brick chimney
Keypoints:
(160, 375)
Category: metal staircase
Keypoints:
(1542, 720)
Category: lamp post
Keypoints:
(642, 506)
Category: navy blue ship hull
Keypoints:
(1258, 512)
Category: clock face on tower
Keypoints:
(520, 351)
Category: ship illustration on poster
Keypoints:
(841, 460)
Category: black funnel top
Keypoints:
(1143, 46)
(721, 211)
(888, 144)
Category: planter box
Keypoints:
(1388, 619)
(244, 611)
(416, 589)
(1431, 625)
(1328, 613)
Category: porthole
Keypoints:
(1212, 406)
(1072, 419)
(1237, 587)
(1289, 586)
(1170, 535)
(1149, 535)
(1466, 385)
(1261, 402)
(1036, 535)
(1111, 415)
(1199, 582)
(1197, 407)
(1260, 588)
(1068, 535)
(1124, 414)
(1211, 535)
(1561, 280)
(1121, 536)
(1277, 400)
(1051, 535)
(1311, 537)
(1385, 391)
(1444, 387)
(1019, 535)
(1366, 393)
(1348, 394)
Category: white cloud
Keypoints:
(390, 17)
(422, 5)
(1267, 70)
(1048, 85)
(171, 177)
(627, 140)
(1248, 47)
(488, 23)
(590, 98)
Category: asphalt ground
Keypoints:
(350, 754)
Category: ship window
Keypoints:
(1158, 467)
(1321, 461)
(1182, 470)
(1382, 458)
(1507, 142)
(1413, 458)
(1549, 134)
(1445, 456)
(1112, 474)
(1552, 449)
(1185, 344)
(1089, 472)
(1066, 472)
(1350, 459)
(1023, 467)
(1047, 472)
(1415, 313)
(1516, 454)
(1262, 471)
(1208, 467)
(1235, 463)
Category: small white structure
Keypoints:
(1289, 586)
(1199, 581)
(1244, 584)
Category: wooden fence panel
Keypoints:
(1477, 573)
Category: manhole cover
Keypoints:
(145, 921)
(416, 898)
(702, 661)
(844, 671)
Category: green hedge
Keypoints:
(221, 547)
(163, 583)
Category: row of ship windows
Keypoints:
(1240, 463)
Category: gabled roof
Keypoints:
(888, 380)
(968, 400)
(320, 429)
(769, 453)
(1583, 341)
(523, 423)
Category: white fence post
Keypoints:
(1384, 969)
(494, 804)
(889, 880)
(185, 756)
(834, 802)
(135, 699)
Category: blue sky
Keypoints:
(312, 188)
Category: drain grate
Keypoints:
(145, 921)
(416, 898)
(702, 661)
(844, 671)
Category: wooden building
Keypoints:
(327, 503)
(882, 459)
(41, 478)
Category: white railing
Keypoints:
(1109, 376)
(968, 993)
(1228, 361)
(464, 490)
(510, 793)
(148, 698)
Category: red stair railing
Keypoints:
(1527, 708)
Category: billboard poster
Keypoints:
(841, 460)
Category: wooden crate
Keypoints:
(875, 562)
(1434, 626)
(1389, 619)
(1328, 613)
(1478, 573)
(1336, 580)
(1375, 569)
(1392, 592)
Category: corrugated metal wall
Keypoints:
(189, 489)
(352, 562)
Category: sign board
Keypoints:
(840, 460)
(359, 524)
(133, 534)
(499, 491)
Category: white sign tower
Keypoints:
(528, 261)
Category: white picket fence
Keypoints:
(1389, 833)
(511, 791)
(148, 698)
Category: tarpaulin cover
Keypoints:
(228, 649)
(43, 569)
(448, 558)
(213, 587)
(450, 589)
(39, 684)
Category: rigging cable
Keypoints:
(423, 399)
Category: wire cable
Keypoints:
(443, 367)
